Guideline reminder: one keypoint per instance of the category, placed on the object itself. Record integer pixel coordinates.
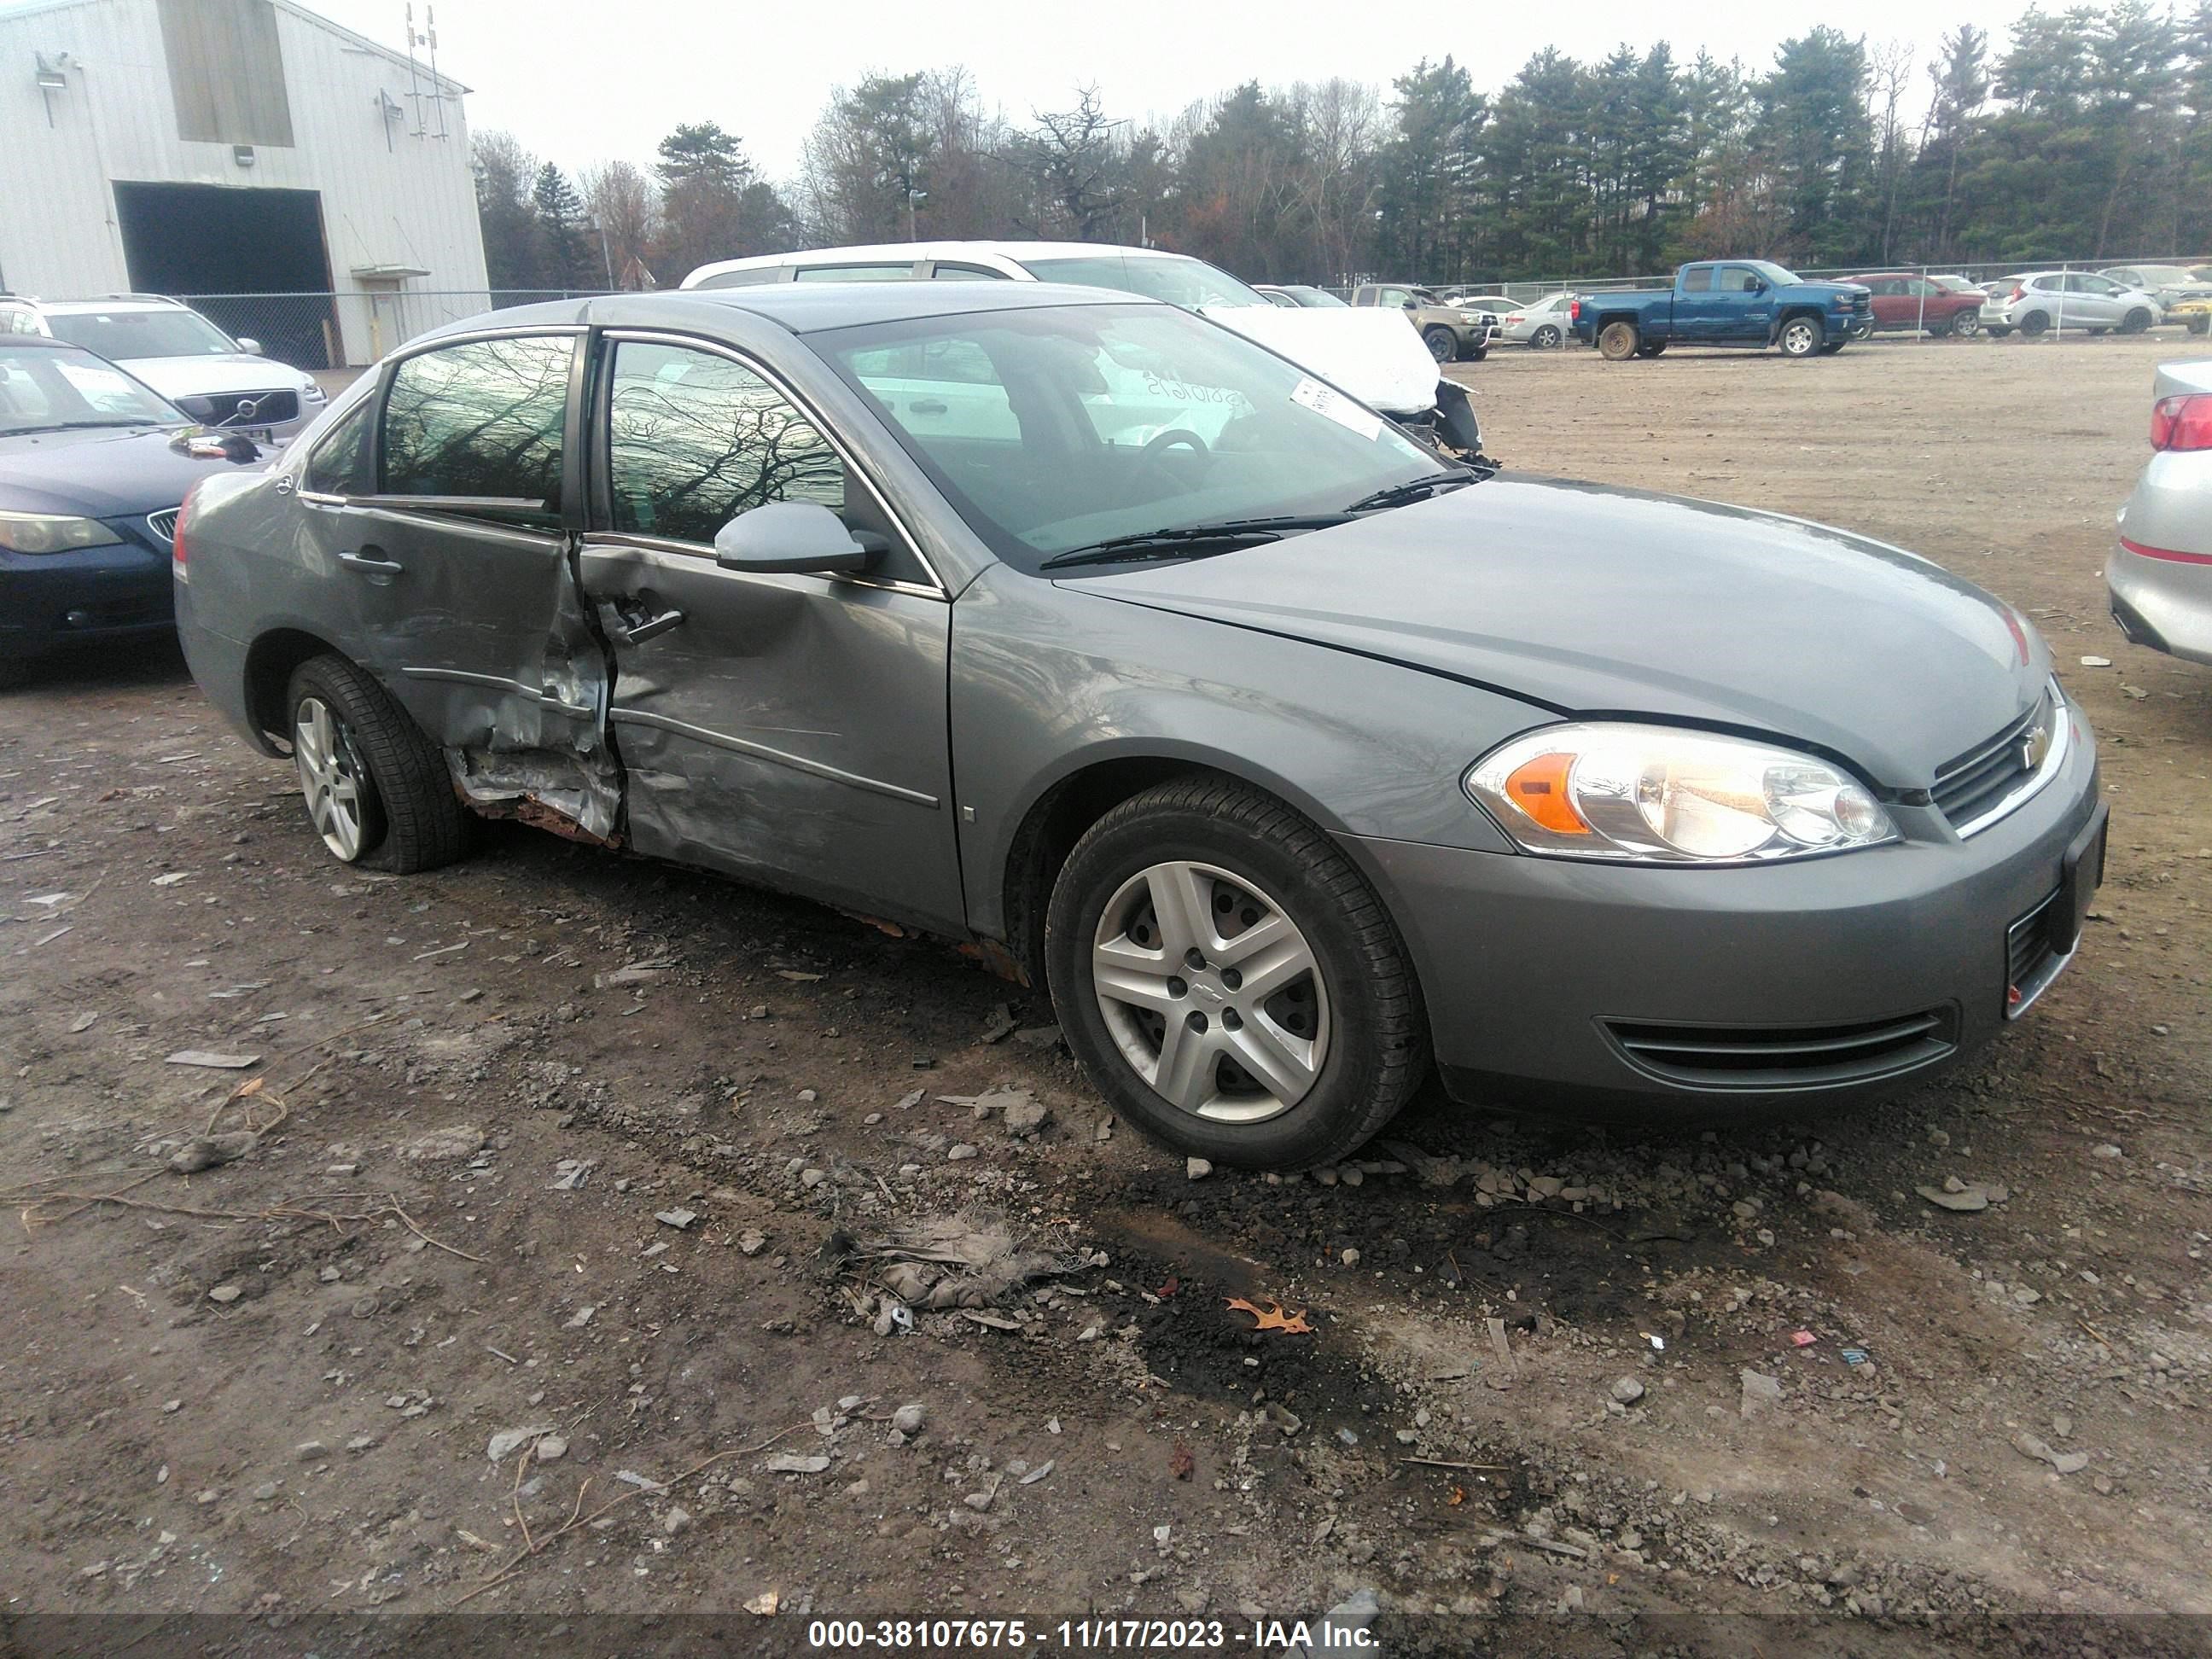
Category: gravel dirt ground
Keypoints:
(525, 1297)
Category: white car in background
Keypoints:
(2038, 302)
(217, 380)
(1369, 353)
(1542, 322)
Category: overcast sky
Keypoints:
(583, 81)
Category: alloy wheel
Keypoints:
(1799, 339)
(332, 776)
(1211, 993)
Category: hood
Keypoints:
(1373, 355)
(1852, 288)
(188, 377)
(1596, 601)
(122, 473)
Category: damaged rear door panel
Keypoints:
(790, 728)
(457, 574)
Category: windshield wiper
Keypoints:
(74, 426)
(1413, 490)
(1183, 542)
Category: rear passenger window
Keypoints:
(487, 419)
(1698, 282)
(339, 466)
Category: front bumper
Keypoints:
(1703, 992)
(120, 591)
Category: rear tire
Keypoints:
(377, 790)
(1443, 343)
(2197, 325)
(1343, 1002)
(1618, 341)
(1547, 338)
(1965, 325)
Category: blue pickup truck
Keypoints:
(1726, 302)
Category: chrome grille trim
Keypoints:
(1993, 780)
(164, 524)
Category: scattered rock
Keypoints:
(908, 1417)
(1197, 1168)
(1026, 1116)
(2107, 1150)
(508, 1440)
(675, 1522)
(210, 1152)
(549, 1448)
(751, 1240)
(443, 1145)
(1627, 1390)
(1760, 1393)
(225, 1293)
(960, 1153)
(678, 1220)
(1965, 1199)
(2028, 1445)
(792, 1463)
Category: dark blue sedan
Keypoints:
(94, 466)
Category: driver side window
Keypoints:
(1736, 280)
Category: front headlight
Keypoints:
(48, 533)
(1661, 795)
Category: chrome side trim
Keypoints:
(776, 756)
(495, 682)
(695, 553)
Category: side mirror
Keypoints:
(801, 537)
(1756, 287)
(251, 348)
(1409, 305)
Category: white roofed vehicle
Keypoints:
(1371, 355)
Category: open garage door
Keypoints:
(218, 247)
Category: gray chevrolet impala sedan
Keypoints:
(1294, 758)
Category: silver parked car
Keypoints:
(2038, 302)
(1542, 322)
(2160, 577)
(1288, 756)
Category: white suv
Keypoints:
(1370, 353)
(215, 380)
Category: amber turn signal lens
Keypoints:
(1539, 788)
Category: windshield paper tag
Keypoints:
(1337, 408)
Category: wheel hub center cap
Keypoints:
(1205, 991)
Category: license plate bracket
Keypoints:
(2079, 874)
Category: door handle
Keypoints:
(362, 561)
(926, 406)
(652, 627)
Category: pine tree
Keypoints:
(560, 222)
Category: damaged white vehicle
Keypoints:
(1370, 353)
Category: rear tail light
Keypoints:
(2017, 294)
(1574, 310)
(2182, 422)
(177, 557)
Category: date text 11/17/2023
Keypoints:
(1086, 1635)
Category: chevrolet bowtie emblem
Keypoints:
(2034, 746)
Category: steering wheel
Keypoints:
(1166, 443)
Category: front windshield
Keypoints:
(1060, 428)
(46, 390)
(123, 335)
(1189, 283)
(2156, 276)
(1320, 299)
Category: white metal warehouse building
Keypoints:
(236, 147)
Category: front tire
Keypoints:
(376, 787)
(1230, 983)
(1800, 337)
(2197, 325)
(1618, 341)
(2035, 324)
(1443, 343)
(2136, 322)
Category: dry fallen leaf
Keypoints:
(1181, 1463)
(1458, 1497)
(1273, 1318)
